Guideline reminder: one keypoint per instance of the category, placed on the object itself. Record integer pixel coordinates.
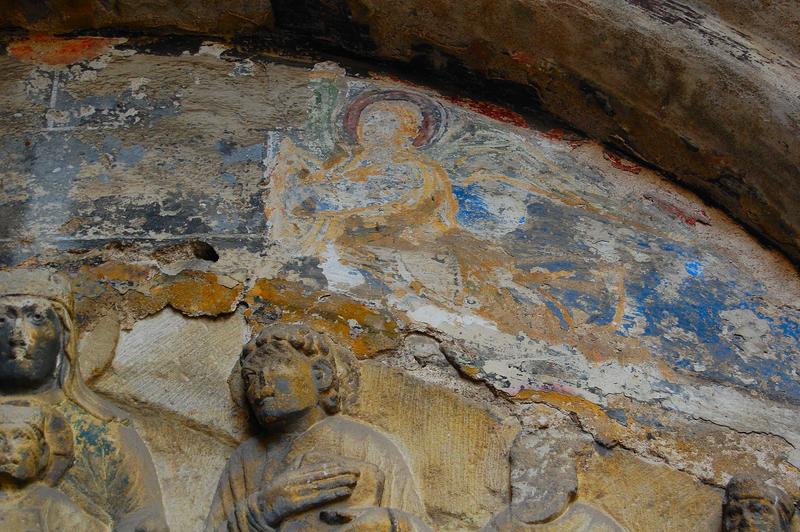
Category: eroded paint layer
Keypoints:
(545, 266)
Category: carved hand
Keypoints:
(311, 486)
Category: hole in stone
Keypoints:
(191, 249)
(204, 250)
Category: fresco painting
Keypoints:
(461, 252)
(535, 231)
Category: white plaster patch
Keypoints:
(748, 332)
(212, 49)
(437, 316)
(339, 276)
(246, 67)
(728, 407)
(136, 87)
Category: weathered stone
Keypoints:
(458, 449)
(68, 459)
(654, 98)
(638, 494)
(98, 345)
(188, 463)
(180, 367)
(193, 15)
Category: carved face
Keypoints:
(23, 449)
(752, 514)
(280, 385)
(30, 342)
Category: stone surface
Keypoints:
(170, 363)
(188, 462)
(191, 15)
(705, 89)
(491, 276)
(458, 449)
(619, 484)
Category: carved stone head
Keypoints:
(38, 339)
(24, 454)
(286, 371)
(30, 342)
(752, 505)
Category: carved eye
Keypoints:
(37, 317)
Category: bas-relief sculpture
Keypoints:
(752, 505)
(69, 460)
(311, 468)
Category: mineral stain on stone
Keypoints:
(332, 313)
(56, 51)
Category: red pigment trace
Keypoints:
(617, 162)
(55, 51)
(672, 209)
(558, 134)
(492, 110)
(523, 58)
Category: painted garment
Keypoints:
(112, 478)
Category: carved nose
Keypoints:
(265, 391)
(17, 337)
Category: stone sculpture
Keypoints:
(69, 460)
(544, 488)
(751, 505)
(313, 468)
(36, 444)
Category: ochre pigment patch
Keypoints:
(197, 294)
(143, 290)
(606, 430)
(57, 51)
(329, 312)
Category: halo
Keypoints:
(433, 114)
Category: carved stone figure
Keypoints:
(751, 505)
(313, 468)
(36, 447)
(544, 489)
(100, 476)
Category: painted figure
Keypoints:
(313, 468)
(751, 505)
(379, 173)
(110, 475)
